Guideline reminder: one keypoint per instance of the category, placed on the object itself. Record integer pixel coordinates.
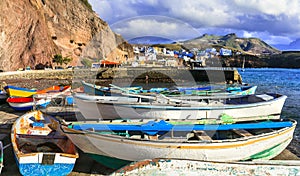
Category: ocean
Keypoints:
(278, 80)
(268, 80)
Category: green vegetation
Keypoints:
(87, 4)
(58, 59)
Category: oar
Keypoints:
(152, 127)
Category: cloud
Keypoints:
(273, 18)
(158, 26)
(270, 7)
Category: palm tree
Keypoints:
(61, 60)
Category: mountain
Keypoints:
(295, 45)
(253, 46)
(150, 40)
(33, 31)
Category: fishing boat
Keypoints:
(40, 148)
(213, 93)
(223, 142)
(14, 91)
(204, 168)
(105, 91)
(26, 103)
(242, 108)
(177, 91)
(39, 100)
(1, 156)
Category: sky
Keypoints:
(274, 21)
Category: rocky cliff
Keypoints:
(33, 31)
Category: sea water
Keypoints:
(278, 80)
(267, 80)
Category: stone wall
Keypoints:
(169, 74)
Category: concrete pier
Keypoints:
(153, 74)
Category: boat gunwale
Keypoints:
(147, 105)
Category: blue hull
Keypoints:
(28, 108)
(94, 91)
(56, 169)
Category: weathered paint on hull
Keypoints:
(35, 169)
(201, 168)
(271, 152)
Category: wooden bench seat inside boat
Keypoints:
(201, 135)
(242, 132)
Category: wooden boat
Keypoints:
(26, 103)
(204, 168)
(225, 142)
(39, 100)
(14, 91)
(178, 91)
(243, 108)
(105, 91)
(1, 156)
(54, 89)
(214, 93)
(40, 148)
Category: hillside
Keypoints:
(253, 46)
(33, 31)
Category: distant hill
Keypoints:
(150, 40)
(231, 41)
(295, 45)
(251, 46)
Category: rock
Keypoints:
(33, 31)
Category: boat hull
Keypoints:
(32, 165)
(26, 106)
(263, 146)
(40, 148)
(14, 91)
(93, 109)
(202, 168)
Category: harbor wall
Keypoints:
(153, 74)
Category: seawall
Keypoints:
(154, 74)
